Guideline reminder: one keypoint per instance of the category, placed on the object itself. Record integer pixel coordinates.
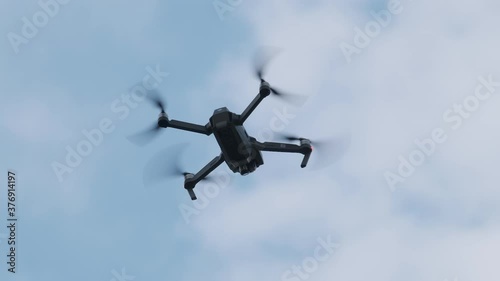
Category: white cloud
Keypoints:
(395, 91)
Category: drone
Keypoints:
(240, 151)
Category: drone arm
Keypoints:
(304, 149)
(190, 183)
(251, 107)
(264, 91)
(190, 127)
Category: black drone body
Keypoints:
(241, 152)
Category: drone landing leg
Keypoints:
(305, 148)
(191, 180)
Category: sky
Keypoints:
(413, 196)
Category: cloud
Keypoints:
(440, 223)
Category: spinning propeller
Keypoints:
(261, 60)
(146, 136)
(166, 165)
(328, 151)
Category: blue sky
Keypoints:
(439, 223)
